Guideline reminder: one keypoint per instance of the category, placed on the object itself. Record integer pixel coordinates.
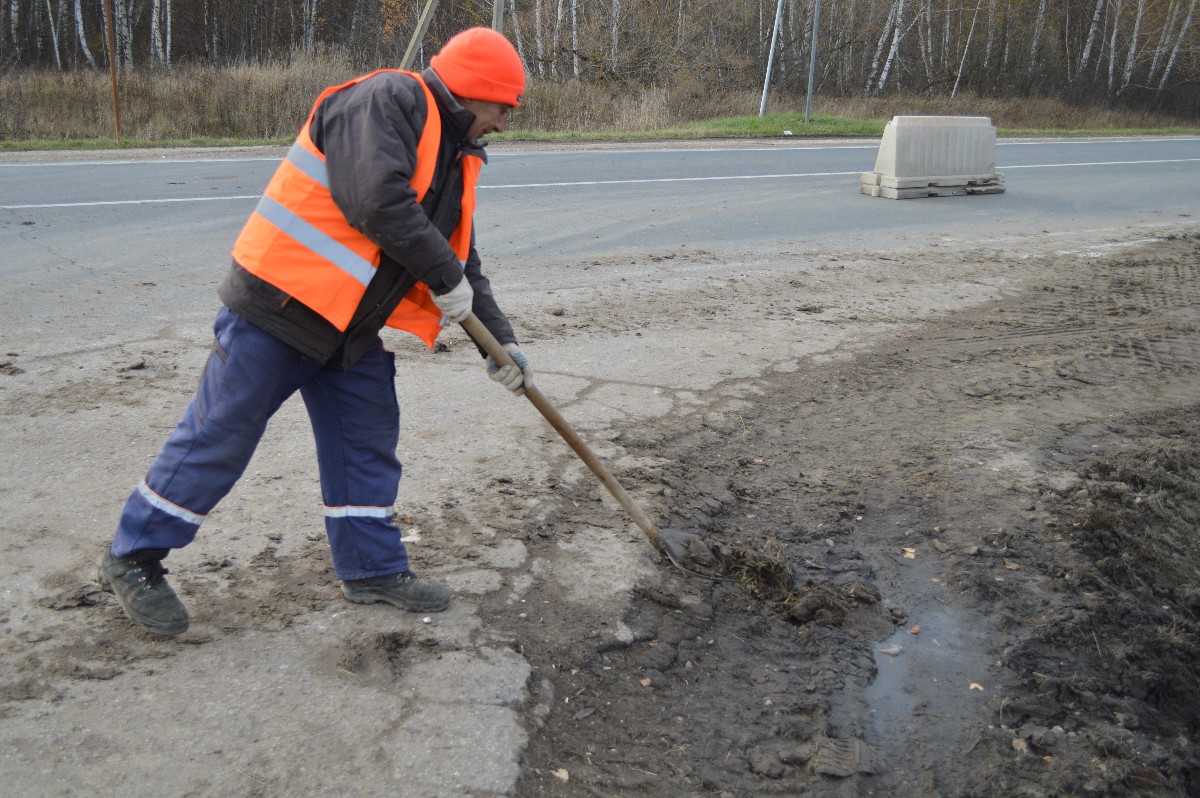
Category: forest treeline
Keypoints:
(1134, 53)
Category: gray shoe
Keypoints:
(406, 591)
(139, 583)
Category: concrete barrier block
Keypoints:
(927, 156)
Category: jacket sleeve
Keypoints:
(368, 133)
(485, 307)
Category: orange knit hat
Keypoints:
(480, 64)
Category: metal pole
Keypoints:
(112, 66)
(498, 15)
(812, 60)
(415, 42)
(771, 58)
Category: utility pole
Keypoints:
(415, 42)
(812, 60)
(771, 57)
(498, 15)
(112, 65)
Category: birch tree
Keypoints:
(1086, 57)
(1183, 30)
(1039, 30)
(1130, 58)
(53, 35)
(966, 48)
(81, 36)
(896, 38)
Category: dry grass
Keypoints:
(269, 102)
(190, 102)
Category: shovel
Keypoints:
(670, 542)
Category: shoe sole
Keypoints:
(376, 598)
(165, 629)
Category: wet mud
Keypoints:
(960, 563)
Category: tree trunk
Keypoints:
(516, 26)
(555, 42)
(82, 36)
(124, 33)
(1187, 23)
(1127, 75)
(1164, 40)
(1112, 52)
(157, 53)
(896, 38)
(539, 40)
(1091, 37)
(575, 65)
(887, 28)
(53, 36)
(925, 38)
(962, 64)
(310, 25)
(614, 20)
(1039, 30)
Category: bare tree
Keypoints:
(81, 36)
(966, 48)
(1127, 75)
(896, 38)
(1091, 37)
(1039, 30)
(53, 35)
(1183, 31)
(1112, 50)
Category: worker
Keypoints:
(366, 222)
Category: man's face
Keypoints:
(490, 117)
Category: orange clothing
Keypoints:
(298, 240)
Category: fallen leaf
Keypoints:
(910, 553)
(936, 581)
(1020, 745)
(1010, 565)
(562, 775)
(646, 682)
(915, 630)
(977, 686)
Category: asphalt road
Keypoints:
(77, 228)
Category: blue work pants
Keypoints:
(356, 422)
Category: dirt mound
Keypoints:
(960, 563)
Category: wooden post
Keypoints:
(112, 65)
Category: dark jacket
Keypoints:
(368, 133)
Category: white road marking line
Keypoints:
(569, 184)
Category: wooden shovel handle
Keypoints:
(484, 337)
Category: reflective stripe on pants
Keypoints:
(249, 374)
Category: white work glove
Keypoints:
(511, 378)
(456, 303)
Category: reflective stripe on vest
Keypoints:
(299, 241)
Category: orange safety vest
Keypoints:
(298, 240)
